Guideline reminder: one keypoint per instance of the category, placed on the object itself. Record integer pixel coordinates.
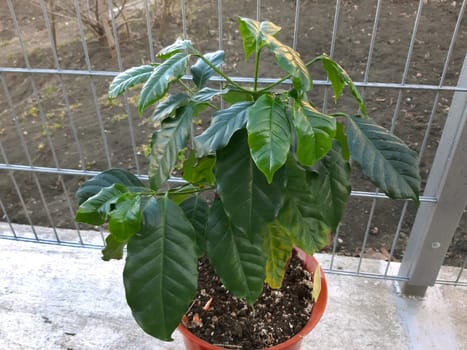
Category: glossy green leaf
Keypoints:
(224, 124)
(269, 135)
(125, 219)
(199, 107)
(169, 105)
(254, 34)
(196, 210)
(249, 201)
(167, 143)
(160, 273)
(199, 170)
(156, 86)
(315, 132)
(384, 158)
(206, 94)
(341, 137)
(182, 193)
(320, 120)
(202, 72)
(307, 150)
(179, 45)
(339, 78)
(95, 210)
(237, 259)
(233, 96)
(301, 213)
(113, 249)
(108, 178)
(330, 184)
(131, 77)
(278, 248)
(290, 61)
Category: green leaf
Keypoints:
(384, 158)
(202, 72)
(320, 120)
(238, 260)
(330, 185)
(289, 60)
(224, 124)
(113, 249)
(206, 94)
(169, 105)
(125, 219)
(167, 143)
(156, 86)
(181, 193)
(95, 209)
(269, 135)
(108, 178)
(341, 137)
(339, 78)
(199, 170)
(196, 210)
(301, 213)
(179, 45)
(160, 273)
(249, 201)
(307, 149)
(233, 96)
(278, 248)
(315, 132)
(254, 34)
(129, 78)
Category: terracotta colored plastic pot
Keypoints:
(192, 342)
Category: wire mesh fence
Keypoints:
(58, 128)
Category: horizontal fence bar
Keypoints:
(112, 74)
(173, 179)
(376, 276)
(369, 275)
(52, 242)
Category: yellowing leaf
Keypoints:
(316, 283)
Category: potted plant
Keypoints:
(270, 173)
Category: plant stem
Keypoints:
(280, 81)
(255, 83)
(187, 88)
(192, 190)
(219, 72)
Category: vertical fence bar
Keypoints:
(53, 46)
(20, 196)
(436, 223)
(335, 27)
(125, 99)
(149, 30)
(93, 84)
(36, 98)
(6, 217)
(295, 27)
(395, 117)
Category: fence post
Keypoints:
(436, 223)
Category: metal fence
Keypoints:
(57, 127)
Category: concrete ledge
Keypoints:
(54, 297)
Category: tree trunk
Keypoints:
(102, 12)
